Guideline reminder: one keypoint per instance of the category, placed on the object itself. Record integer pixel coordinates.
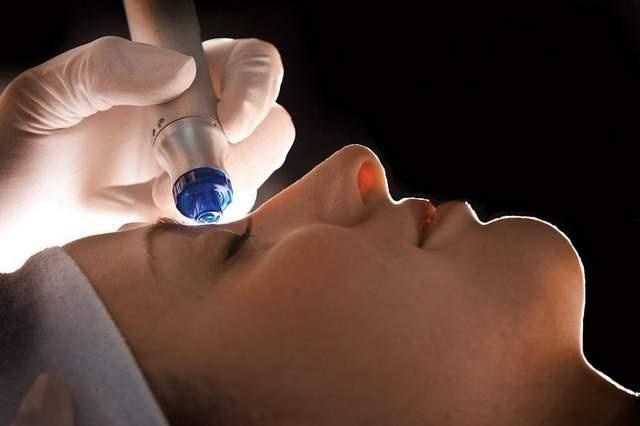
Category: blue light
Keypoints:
(202, 194)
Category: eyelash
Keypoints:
(236, 243)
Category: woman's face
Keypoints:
(336, 311)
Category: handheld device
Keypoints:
(187, 139)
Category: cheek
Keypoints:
(335, 298)
(327, 315)
(319, 309)
(316, 271)
(328, 287)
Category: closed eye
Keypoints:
(167, 224)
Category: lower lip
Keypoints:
(431, 212)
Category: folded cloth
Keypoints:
(52, 321)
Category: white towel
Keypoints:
(52, 321)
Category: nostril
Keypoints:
(366, 179)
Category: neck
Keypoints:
(578, 394)
(619, 406)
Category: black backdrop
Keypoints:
(518, 107)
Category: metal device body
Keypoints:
(188, 141)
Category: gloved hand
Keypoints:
(75, 156)
(48, 403)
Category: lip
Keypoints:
(430, 212)
(443, 210)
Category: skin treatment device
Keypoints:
(188, 141)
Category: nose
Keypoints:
(348, 189)
(343, 190)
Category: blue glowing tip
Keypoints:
(202, 194)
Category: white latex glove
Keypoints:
(48, 403)
(75, 156)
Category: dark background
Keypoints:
(518, 107)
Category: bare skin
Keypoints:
(332, 314)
